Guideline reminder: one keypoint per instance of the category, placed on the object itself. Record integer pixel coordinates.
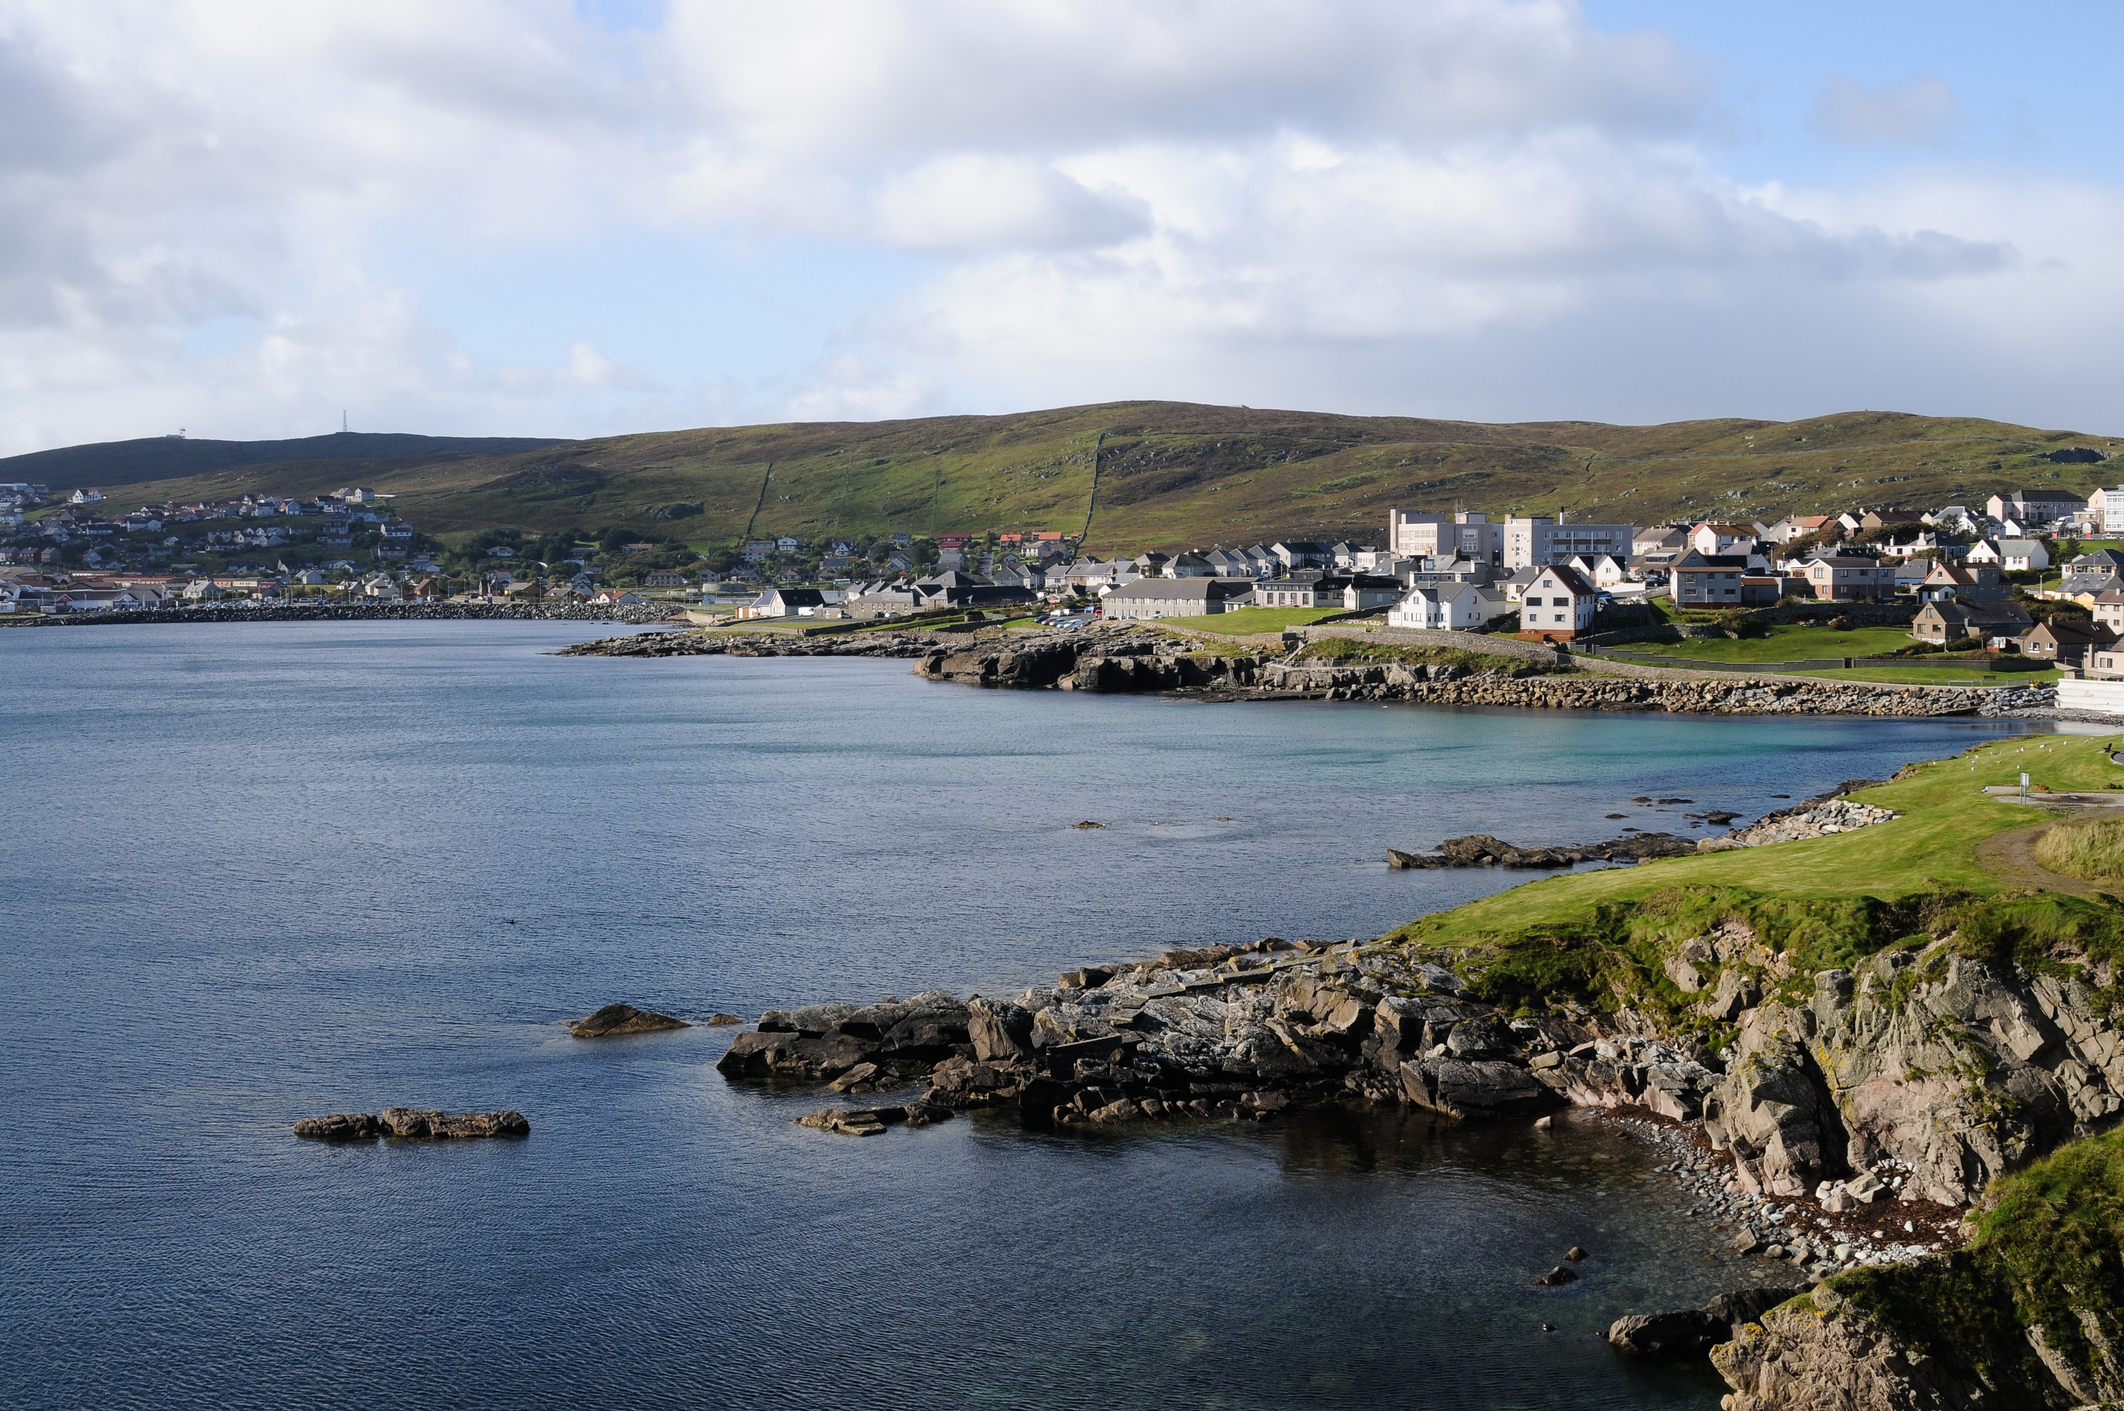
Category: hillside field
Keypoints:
(1142, 475)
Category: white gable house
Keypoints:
(1447, 607)
(1558, 604)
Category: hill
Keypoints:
(157, 458)
(1141, 474)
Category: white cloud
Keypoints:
(1920, 111)
(1460, 206)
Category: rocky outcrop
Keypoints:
(871, 1121)
(339, 1127)
(1482, 850)
(1695, 1331)
(617, 1019)
(1926, 1071)
(413, 1124)
(1822, 1352)
(1814, 820)
(1229, 1033)
(819, 1042)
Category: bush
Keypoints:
(2091, 851)
(1964, 644)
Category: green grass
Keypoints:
(1933, 676)
(2093, 850)
(1932, 847)
(1357, 649)
(1247, 621)
(1785, 644)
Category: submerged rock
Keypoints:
(870, 1121)
(616, 1019)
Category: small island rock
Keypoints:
(616, 1019)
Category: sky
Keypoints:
(580, 219)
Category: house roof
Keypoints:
(1152, 590)
(2074, 630)
(1574, 581)
(1694, 559)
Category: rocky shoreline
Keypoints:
(1839, 1123)
(1131, 659)
(644, 614)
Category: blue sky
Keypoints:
(581, 219)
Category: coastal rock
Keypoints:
(1821, 1352)
(1482, 850)
(1693, 1332)
(339, 1127)
(870, 1121)
(1671, 1335)
(781, 1054)
(1000, 1031)
(1817, 818)
(416, 1124)
(617, 1019)
(1775, 1110)
(1462, 1088)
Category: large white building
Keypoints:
(1467, 534)
(1536, 540)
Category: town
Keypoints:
(2039, 576)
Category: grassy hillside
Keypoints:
(159, 458)
(1167, 474)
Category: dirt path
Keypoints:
(2012, 856)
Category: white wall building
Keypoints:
(1447, 607)
(1538, 539)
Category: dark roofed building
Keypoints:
(1945, 622)
(2066, 640)
(1148, 598)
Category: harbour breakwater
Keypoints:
(1128, 659)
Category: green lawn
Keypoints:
(1246, 621)
(1784, 644)
(1934, 676)
(1932, 846)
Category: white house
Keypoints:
(1711, 538)
(2012, 555)
(1448, 607)
(1558, 604)
(1603, 570)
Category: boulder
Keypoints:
(1775, 1109)
(1681, 1334)
(617, 1019)
(870, 1121)
(968, 1082)
(1000, 1031)
(406, 1122)
(1560, 1275)
(339, 1127)
(1465, 1088)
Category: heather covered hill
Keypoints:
(1141, 474)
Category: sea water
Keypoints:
(252, 873)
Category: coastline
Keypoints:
(1843, 1085)
(1472, 671)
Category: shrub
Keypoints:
(2093, 851)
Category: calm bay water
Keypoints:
(258, 872)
